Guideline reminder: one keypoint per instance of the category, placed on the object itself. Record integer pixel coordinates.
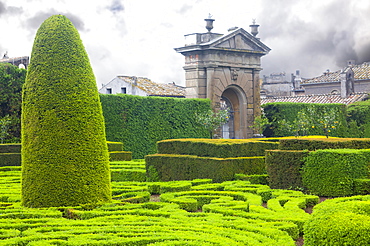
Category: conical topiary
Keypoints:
(65, 158)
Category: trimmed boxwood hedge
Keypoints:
(65, 158)
(324, 143)
(284, 168)
(332, 172)
(140, 122)
(10, 159)
(339, 221)
(221, 148)
(10, 148)
(187, 167)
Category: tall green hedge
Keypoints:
(276, 112)
(65, 158)
(139, 122)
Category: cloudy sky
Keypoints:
(137, 37)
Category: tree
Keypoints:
(65, 158)
(11, 81)
(212, 121)
(4, 128)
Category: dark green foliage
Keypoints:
(332, 172)
(128, 175)
(114, 146)
(11, 81)
(221, 148)
(186, 167)
(253, 178)
(10, 159)
(120, 156)
(65, 158)
(276, 112)
(284, 168)
(361, 186)
(324, 143)
(340, 221)
(359, 119)
(10, 148)
(139, 122)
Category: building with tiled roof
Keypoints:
(323, 98)
(334, 82)
(141, 86)
(21, 61)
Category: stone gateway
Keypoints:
(225, 69)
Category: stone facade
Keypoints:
(225, 69)
(21, 62)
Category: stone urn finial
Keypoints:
(209, 22)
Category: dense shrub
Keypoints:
(339, 221)
(359, 119)
(139, 122)
(65, 158)
(332, 172)
(361, 186)
(221, 148)
(284, 168)
(11, 81)
(276, 113)
(186, 167)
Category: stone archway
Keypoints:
(234, 97)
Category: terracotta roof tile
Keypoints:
(324, 98)
(153, 88)
(361, 71)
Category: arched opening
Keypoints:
(234, 98)
(227, 130)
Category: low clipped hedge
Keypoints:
(324, 143)
(284, 168)
(253, 178)
(187, 167)
(220, 148)
(361, 186)
(10, 148)
(332, 172)
(116, 152)
(339, 221)
(115, 146)
(10, 159)
(120, 156)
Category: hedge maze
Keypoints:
(244, 210)
(195, 212)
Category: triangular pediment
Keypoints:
(239, 40)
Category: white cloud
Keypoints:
(137, 37)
